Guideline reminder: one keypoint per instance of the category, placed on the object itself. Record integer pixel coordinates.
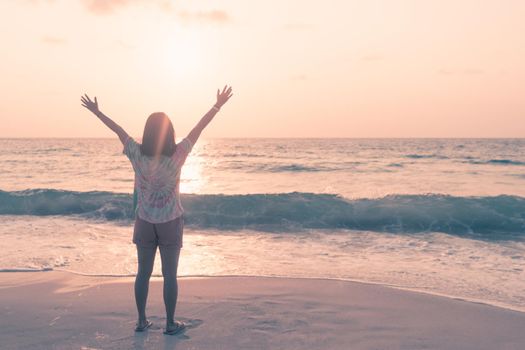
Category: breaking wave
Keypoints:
(499, 217)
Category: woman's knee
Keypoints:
(169, 272)
(144, 271)
(170, 261)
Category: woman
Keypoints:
(157, 163)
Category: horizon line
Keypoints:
(282, 137)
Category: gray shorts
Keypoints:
(168, 233)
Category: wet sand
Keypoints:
(60, 310)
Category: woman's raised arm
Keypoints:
(222, 98)
(93, 107)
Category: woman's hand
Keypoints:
(224, 96)
(92, 106)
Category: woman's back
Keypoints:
(157, 181)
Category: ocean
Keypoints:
(441, 216)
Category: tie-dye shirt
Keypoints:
(157, 182)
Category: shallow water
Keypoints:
(441, 216)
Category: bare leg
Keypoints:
(146, 258)
(170, 262)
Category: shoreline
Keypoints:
(118, 278)
(64, 310)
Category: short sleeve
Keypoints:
(131, 149)
(185, 146)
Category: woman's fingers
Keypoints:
(225, 91)
(225, 94)
(229, 92)
(87, 103)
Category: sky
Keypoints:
(299, 68)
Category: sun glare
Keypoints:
(182, 54)
(192, 177)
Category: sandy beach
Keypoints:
(60, 310)
(340, 175)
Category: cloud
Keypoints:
(297, 26)
(473, 71)
(372, 57)
(215, 16)
(105, 7)
(299, 77)
(123, 45)
(108, 7)
(467, 71)
(35, 2)
(445, 72)
(51, 40)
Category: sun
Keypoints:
(182, 54)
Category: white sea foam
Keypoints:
(492, 272)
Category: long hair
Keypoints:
(159, 136)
